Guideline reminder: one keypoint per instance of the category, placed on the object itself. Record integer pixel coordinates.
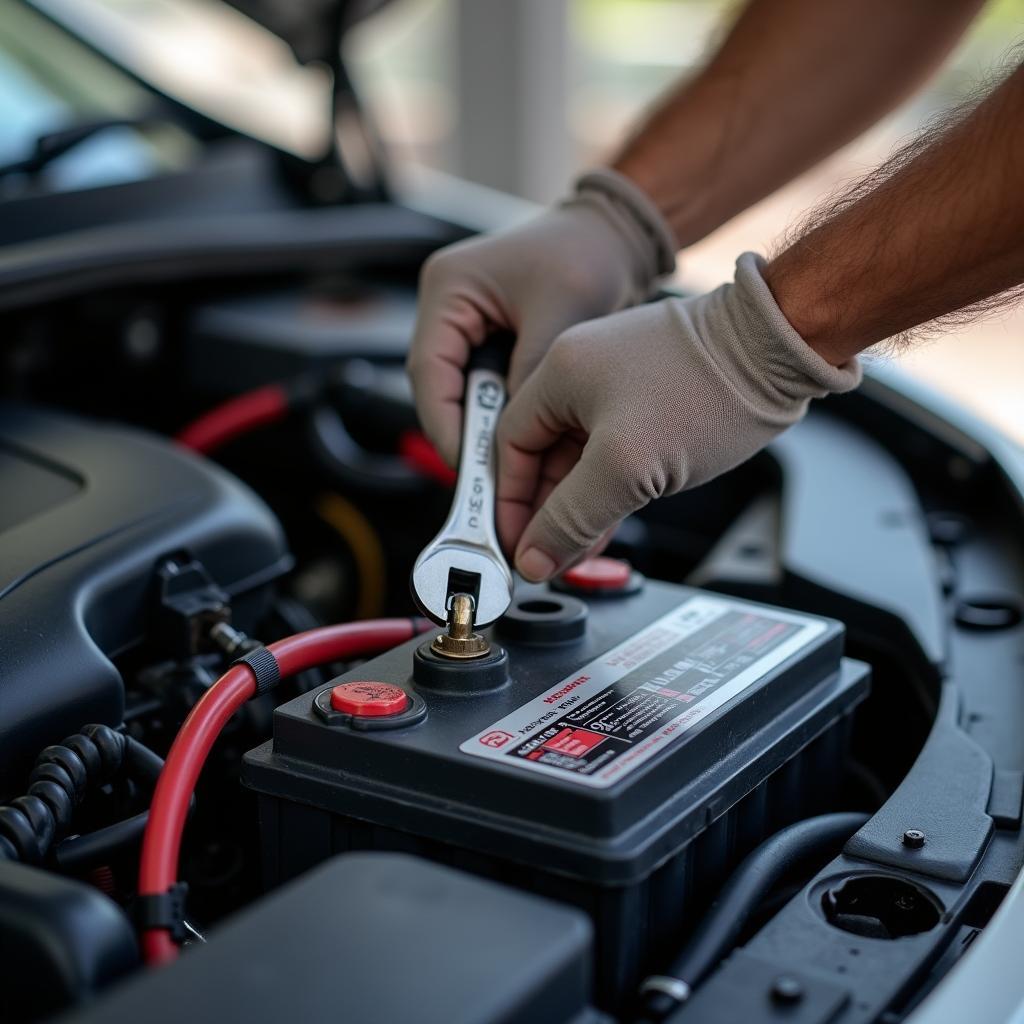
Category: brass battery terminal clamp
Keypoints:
(461, 579)
(460, 640)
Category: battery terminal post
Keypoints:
(460, 640)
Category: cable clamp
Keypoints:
(263, 666)
(163, 910)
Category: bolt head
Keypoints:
(913, 838)
(787, 989)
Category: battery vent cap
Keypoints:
(366, 699)
(599, 577)
(598, 574)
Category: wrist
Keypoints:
(768, 350)
(806, 302)
(634, 215)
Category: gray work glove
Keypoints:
(594, 253)
(643, 403)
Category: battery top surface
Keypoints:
(671, 705)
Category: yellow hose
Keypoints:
(367, 552)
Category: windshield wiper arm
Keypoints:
(52, 145)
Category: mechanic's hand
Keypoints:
(596, 252)
(643, 403)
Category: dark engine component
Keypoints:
(379, 939)
(62, 776)
(251, 339)
(88, 514)
(60, 941)
(625, 766)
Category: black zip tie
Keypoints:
(263, 666)
(162, 910)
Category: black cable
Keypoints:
(799, 849)
(141, 762)
(297, 618)
(351, 465)
(62, 776)
(79, 853)
(294, 616)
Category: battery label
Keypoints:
(604, 721)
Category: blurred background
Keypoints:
(517, 95)
(586, 69)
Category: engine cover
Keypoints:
(88, 512)
(622, 758)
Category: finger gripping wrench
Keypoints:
(465, 558)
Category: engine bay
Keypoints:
(730, 695)
(761, 762)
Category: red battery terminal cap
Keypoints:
(369, 699)
(599, 574)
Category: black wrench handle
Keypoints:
(493, 353)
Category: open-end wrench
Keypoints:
(465, 558)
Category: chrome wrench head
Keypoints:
(443, 570)
(465, 556)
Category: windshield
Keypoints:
(50, 82)
(213, 59)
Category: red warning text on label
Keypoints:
(574, 742)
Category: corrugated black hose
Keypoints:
(30, 825)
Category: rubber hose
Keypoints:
(800, 849)
(351, 465)
(30, 825)
(78, 853)
(59, 781)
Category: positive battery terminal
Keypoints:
(460, 640)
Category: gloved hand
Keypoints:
(643, 403)
(594, 253)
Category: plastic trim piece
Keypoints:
(943, 795)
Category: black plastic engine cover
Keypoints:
(61, 942)
(624, 767)
(88, 511)
(374, 939)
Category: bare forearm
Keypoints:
(793, 81)
(938, 229)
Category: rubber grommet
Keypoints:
(544, 619)
(460, 677)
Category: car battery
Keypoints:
(620, 749)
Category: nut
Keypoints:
(914, 838)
